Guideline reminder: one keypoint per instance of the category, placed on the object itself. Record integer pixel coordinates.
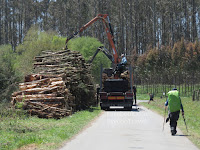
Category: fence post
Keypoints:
(193, 96)
(198, 92)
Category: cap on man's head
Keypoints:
(122, 55)
(174, 89)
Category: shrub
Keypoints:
(87, 47)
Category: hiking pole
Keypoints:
(164, 115)
(164, 119)
(185, 122)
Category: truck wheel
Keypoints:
(105, 108)
(102, 108)
(128, 108)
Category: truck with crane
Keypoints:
(116, 85)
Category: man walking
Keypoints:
(151, 96)
(174, 105)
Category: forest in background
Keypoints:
(160, 70)
(137, 24)
(160, 38)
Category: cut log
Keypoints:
(62, 79)
(22, 88)
(45, 111)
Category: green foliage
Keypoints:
(87, 47)
(143, 96)
(175, 55)
(7, 112)
(8, 76)
(191, 62)
(171, 65)
(34, 43)
(141, 66)
(19, 105)
(152, 59)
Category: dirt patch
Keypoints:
(29, 147)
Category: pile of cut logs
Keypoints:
(62, 84)
(124, 75)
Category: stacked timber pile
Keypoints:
(62, 84)
(105, 77)
(45, 111)
(124, 75)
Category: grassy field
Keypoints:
(19, 131)
(142, 97)
(158, 89)
(192, 115)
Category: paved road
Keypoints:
(129, 130)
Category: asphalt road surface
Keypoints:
(139, 129)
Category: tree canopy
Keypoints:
(138, 24)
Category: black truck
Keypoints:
(116, 92)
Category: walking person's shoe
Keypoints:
(173, 131)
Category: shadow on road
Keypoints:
(182, 135)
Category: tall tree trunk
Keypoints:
(154, 24)
(172, 29)
(131, 26)
(187, 36)
(6, 22)
(122, 27)
(194, 27)
(136, 25)
(1, 22)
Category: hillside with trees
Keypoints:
(160, 38)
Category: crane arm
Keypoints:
(99, 16)
(109, 33)
(105, 51)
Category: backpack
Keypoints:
(174, 101)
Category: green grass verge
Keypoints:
(158, 89)
(192, 115)
(142, 96)
(18, 131)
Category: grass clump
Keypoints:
(142, 96)
(192, 116)
(18, 130)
